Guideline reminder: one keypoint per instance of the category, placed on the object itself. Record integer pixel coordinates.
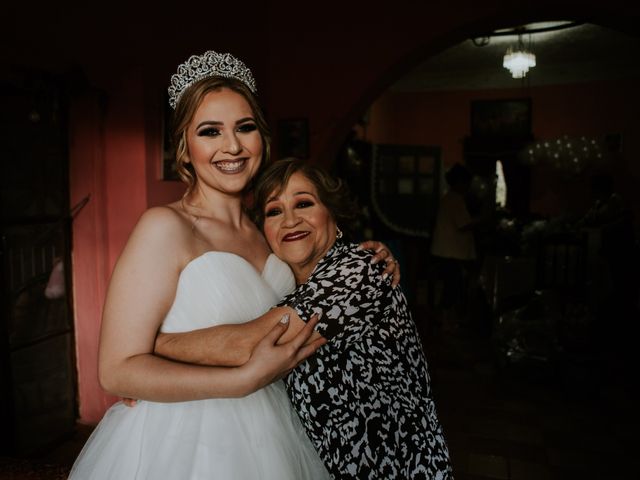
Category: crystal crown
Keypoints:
(209, 64)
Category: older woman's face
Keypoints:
(298, 227)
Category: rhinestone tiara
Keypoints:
(209, 64)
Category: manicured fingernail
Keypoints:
(285, 318)
(374, 260)
(319, 315)
(359, 247)
(384, 276)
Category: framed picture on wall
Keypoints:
(293, 138)
(501, 118)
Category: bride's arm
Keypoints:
(141, 290)
(232, 344)
(228, 345)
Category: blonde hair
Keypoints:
(185, 110)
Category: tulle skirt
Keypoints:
(258, 437)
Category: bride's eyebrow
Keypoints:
(245, 120)
(212, 123)
(216, 123)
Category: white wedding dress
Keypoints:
(251, 438)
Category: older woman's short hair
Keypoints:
(333, 192)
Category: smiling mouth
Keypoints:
(230, 166)
(292, 237)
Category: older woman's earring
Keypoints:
(338, 233)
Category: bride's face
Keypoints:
(224, 143)
(299, 228)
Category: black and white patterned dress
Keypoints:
(365, 397)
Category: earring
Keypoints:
(338, 233)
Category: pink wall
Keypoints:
(107, 161)
(593, 110)
(90, 246)
(589, 109)
(328, 65)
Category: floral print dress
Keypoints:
(365, 397)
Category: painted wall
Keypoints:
(90, 246)
(587, 109)
(107, 162)
(327, 63)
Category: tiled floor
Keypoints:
(512, 425)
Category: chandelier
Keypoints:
(519, 60)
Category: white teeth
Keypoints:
(230, 166)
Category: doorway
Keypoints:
(37, 366)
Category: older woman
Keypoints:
(364, 398)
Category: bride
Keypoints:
(191, 264)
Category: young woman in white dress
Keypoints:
(195, 263)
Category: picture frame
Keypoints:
(501, 118)
(293, 138)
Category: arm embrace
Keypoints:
(232, 344)
(140, 293)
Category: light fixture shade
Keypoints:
(518, 62)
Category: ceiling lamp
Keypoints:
(519, 60)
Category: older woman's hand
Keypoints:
(384, 253)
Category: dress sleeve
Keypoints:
(347, 292)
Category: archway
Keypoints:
(544, 127)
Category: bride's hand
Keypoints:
(270, 362)
(383, 252)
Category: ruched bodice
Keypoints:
(257, 437)
(222, 287)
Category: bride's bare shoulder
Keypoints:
(166, 212)
(166, 218)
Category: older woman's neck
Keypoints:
(303, 269)
(302, 274)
